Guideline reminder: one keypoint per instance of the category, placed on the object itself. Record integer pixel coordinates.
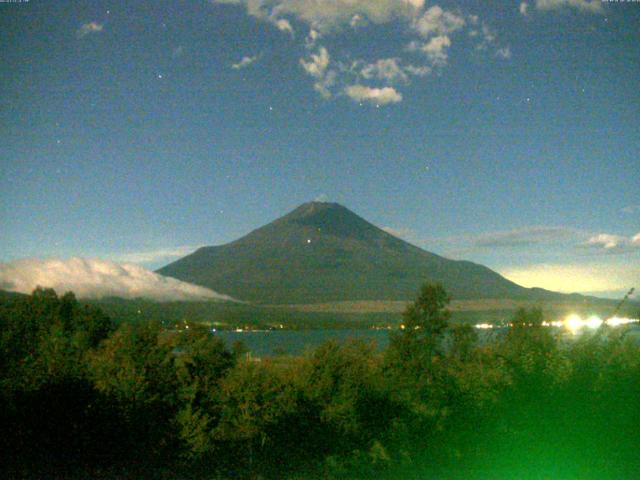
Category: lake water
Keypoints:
(295, 342)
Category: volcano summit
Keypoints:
(323, 252)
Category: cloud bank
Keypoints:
(527, 236)
(152, 256)
(613, 243)
(572, 240)
(559, 258)
(95, 279)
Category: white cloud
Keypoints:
(429, 30)
(539, 241)
(324, 85)
(92, 278)
(504, 52)
(87, 28)
(418, 71)
(524, 7)
(244, 62)
(436, 50)
(316, 67)
(310, 41)
(605, 240)
(330, 15)
(436, 21)
(387, 69)
(377, 96)
(357, 21)
(588, 6)
(416, 4)
(487, 38)
(283, 25)
(613, 243)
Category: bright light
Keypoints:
(557, 324)
(617, 321)
(593, 322)
(573, 323)
(483, 326)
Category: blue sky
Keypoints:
(506, 134)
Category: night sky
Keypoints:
(508, 134)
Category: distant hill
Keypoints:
(6, 296)
(323, 252)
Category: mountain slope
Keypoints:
(323, 252)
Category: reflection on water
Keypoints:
(295, 342)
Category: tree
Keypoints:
(463, 342)
(425, 321)
(528, 347)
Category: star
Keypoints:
(160, 76)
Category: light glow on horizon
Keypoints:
(574, 323)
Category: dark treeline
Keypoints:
(81, 398)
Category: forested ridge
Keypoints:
(85, 397)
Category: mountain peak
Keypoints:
(323, 252)
(330, 218)
(314, 207)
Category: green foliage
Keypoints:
(414, 352)
(463, 342)
(344, 385)
(529, 348)
(84, 400)
(43, 336)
